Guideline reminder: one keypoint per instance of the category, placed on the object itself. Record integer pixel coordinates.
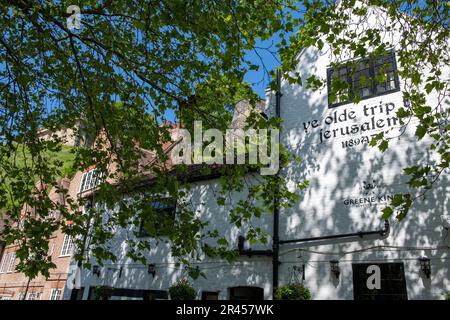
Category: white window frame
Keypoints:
(11, 262)
(66, 249)
(20, 296)
(89, 180)
(55, 294)
(4, 262)
(34, 296)
(51, 214)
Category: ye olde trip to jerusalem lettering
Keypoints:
(387, 111)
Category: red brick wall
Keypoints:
(13, 283)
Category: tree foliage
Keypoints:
(132, 63)
(129, 65)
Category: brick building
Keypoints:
(13, 284)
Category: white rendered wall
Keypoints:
(331, 205)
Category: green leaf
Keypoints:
(383, 145)
(387, 212)
(397, 200)
(420, 131)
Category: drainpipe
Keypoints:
(275, 235)
(276, 212)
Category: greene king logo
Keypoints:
(262, 147)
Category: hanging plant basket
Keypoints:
(293, 291)
(182, 290)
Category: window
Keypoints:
(77, 294)
(90, 180)
(132, 294)
(210, 295)
(6, 298)
(392, 282)
(158, 219)
(11, 262)
(5, 260)
(55, 294)
(21, 296)
(67, 245)
(52, 214)
(246, 293)
(362, 79)
(34, 296)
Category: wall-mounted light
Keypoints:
(152, 269)
(96, 270)
(334, 268)
(425, 266)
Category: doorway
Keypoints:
(392, 282)
(246, 293)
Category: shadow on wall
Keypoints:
(220, 274)
(349, 186)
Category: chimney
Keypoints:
(64, 185)
(136, 142)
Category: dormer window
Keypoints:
(90, 180)
(362, 79)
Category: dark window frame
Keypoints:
(250, 293)
(210, 293)
(390, 54)
(141, 233)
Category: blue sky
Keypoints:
(259, 79)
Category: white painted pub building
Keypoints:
(335, 232)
